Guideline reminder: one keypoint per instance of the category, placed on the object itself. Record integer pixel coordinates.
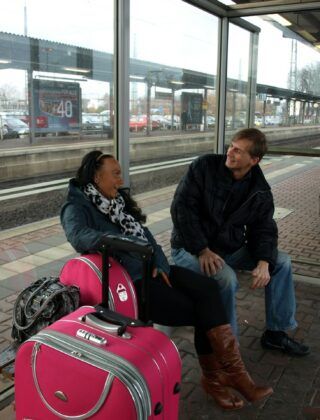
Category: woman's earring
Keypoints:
(96, 183)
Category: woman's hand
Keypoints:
(163, 275)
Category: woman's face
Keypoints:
(108, 178)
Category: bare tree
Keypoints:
(9, 97)
(308, 79)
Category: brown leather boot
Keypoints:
(222, 395)
(232, 370)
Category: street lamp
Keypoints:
(233, 91)
(316, 106)
(151, 79)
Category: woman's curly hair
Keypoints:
(90, 163)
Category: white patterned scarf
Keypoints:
(114, 210)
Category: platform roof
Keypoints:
(31, 54)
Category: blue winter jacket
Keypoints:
(85, 225)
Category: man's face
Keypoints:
(239, 158)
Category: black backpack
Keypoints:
(41, 304)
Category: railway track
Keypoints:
(35, 198)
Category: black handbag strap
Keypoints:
(123, 243)
(145, 290)
(105, 276)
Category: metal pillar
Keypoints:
(121, 75)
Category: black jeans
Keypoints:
(192, 300)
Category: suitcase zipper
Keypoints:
(97, 328)
(115, 365)
(99, 275)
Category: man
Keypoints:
(222, 214)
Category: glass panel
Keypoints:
(56, 72)
(237, 82)
(173, 61)
(288, 87)
(287, 111)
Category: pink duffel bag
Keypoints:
(85, 271)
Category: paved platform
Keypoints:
(40, 249)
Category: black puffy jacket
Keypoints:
(199, 220)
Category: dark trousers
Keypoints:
(192, 300)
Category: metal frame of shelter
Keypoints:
(32, 54)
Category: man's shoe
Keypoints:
(281, 341)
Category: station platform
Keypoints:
(40, 249)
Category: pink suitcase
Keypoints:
(80, 368)
(85, 272)
(98, 364)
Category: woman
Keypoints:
(96, 205)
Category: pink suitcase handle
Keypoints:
(112, 322)
(94, 321)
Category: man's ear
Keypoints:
(255, 160)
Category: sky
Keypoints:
(170, 32)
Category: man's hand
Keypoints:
(210, 263)
(260, 275)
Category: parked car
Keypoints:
(107, 129)
(139, 123)
(92, 123)
(136, 123)
(41, 121)
(258, 121)
(211, 121)
(168, 124)
(158, 121)
(274, 120)
(105, 113)
(3, 132)
(234, 123)
(14, 128)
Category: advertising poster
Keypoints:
(57, 106)
(191, 108)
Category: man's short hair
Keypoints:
(257, 138)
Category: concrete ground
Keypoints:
(40, 249)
